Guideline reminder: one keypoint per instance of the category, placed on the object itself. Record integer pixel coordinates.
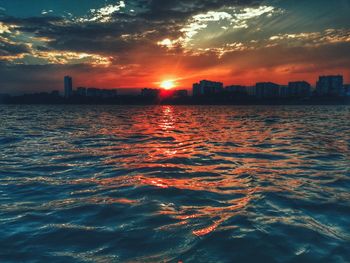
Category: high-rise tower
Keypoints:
(68, 86)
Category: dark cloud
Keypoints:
(12, 49)
(163, 18)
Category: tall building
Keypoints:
(298, 89)
(330, 86)
(68, 86)
(347, 89)
(267, 90)
(206, 87)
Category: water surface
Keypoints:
(174, 183)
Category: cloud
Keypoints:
(134, 42)
(103, 14)
(10, 48)
(45, 12)
(214, 24)
(41, 57)
(308, 39)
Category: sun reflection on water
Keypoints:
(205, 155)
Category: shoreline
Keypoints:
(183, 101)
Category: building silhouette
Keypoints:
(98, 93)
(296, 89)
(236, 90)
(68, 86)
(299, 89)
(267, 90)
(207, 88)
(251, 91)
(81, 91)
(150, 93)
(109, 93)
(180, 93)
(347, 89)
(330, 86)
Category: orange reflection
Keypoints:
(167, 121)
(228, 152)
(217, 215)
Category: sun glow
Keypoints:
(167, 84)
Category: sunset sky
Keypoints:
(142, 43)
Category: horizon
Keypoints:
(137, 90)
(136, 44)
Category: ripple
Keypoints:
(166, 183)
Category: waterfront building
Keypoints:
(180, 93)
(236, 89)
(330, 86)
(251, 91)
(108, 93)
(153, 93)
(296, 89)
(81, 91)
(299, 89)
(267, 90)
(196, 90)
(100, 93)
(92, 92)
(68, 86)
(206, 87)
(284, 91)
(347, 89)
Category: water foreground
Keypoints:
(174, 183)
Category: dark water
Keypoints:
(165, 183)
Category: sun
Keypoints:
(167, 84)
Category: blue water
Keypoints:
(174, 183)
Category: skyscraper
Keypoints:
(68, 86)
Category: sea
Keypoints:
(174, 183)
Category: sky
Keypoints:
(141, 43)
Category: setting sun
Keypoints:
(167, 84)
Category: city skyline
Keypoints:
(331, 87)
(68, 85)
(137, 44)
